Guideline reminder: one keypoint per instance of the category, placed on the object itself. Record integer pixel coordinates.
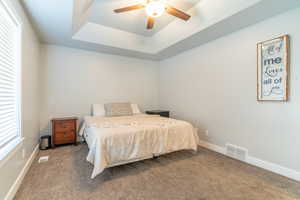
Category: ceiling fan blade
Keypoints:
(177, 13)
(150, 22)
(129, 8)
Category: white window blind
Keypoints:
(9, 77)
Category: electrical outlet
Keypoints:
(23, 153)
(206, 132)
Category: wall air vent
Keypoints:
(230, 150)
(236, 152)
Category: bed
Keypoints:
(115, 141)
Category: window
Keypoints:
(10, 35)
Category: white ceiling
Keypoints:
(92, 25)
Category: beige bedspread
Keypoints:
(116, 140)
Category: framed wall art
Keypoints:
(273, 69)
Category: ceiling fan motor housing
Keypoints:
(155, 8)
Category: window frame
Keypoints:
(12, 145)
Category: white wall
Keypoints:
(11, 167)
(75, 79)
(214, 86)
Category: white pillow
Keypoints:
(135, 109)
(98, 110)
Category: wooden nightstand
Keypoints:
(162, 113)
(64, 131)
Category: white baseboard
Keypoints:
(14, 188)
(212, 147)
(284, 171)
(278, 169)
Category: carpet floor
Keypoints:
(204, 175)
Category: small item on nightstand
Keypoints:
(45, 142)
(162, 113)
(64, 131)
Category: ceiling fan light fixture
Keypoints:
(155, 8)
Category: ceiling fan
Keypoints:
(154, 9)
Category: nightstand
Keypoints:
(64, 131)
(162, 113)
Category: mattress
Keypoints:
(118, 140)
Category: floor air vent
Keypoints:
(43, 159)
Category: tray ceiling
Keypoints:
(92, 25)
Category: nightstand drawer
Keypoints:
(63, 137)
(63, 126)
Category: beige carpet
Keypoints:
(177, 176)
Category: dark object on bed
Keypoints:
(162, 113)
